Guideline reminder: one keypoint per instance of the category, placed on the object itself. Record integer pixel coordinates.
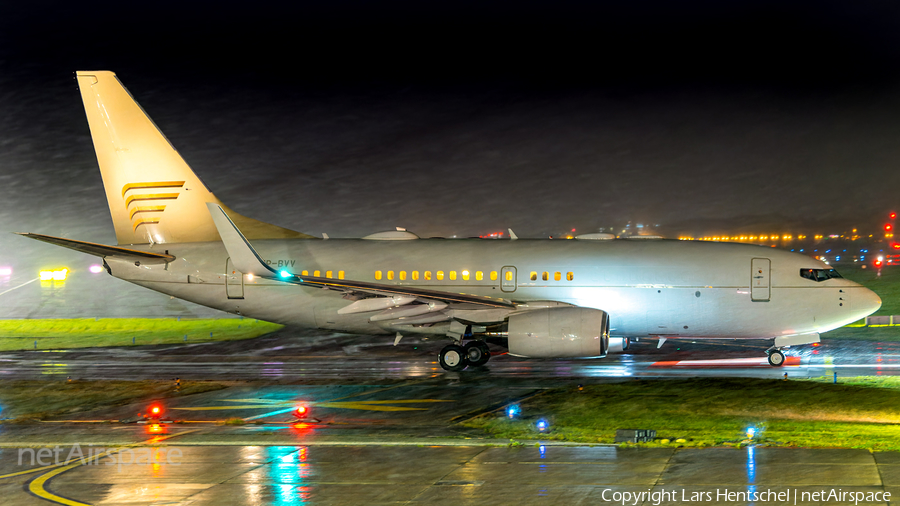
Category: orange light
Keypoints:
(155, 410)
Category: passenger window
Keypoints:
(402, 275)
(340, 274)
(440, 275)
(304, 273)
(427, 275)
(390, 274)
(493, 275)
(465, 275)
(317, 274)
(328, 274)
(557, 276)
(479, 275)
(545, 276)
(508, 275)
(415, 275)
(377, 275)
(533, 276)
(570, 276)
(452, 275)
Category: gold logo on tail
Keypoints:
(146, 208)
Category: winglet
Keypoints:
(512, 235)
(242, 254)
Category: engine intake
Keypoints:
(559, 332)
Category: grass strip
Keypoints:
(855, 413)
(46, 334)
(36, 399)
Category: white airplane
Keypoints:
(548, 298)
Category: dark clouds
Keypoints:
(461, 118)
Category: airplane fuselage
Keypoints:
(648, 287)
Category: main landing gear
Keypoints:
(776, 357)
(456, 358)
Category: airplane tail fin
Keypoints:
(153, 195)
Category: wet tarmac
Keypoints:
(383, 426)
(441, 474)
(297, 355)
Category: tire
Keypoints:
(453, 358)
(776, 358)
(477, 353)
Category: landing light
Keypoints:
(96, 269)
(5, 271)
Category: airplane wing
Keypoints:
(102, 250)
(248, 261)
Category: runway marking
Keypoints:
(728, 362)
(376, 405)
(20, 286)
(37, 485)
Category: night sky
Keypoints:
(459, 118)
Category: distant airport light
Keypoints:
(5, 271)
(57, 275)
(96, 269)
(893, 215)
(888, 227)
(895, 245)
(155, 410)
(751, 432)
(513, 411)
(301, 411)
(542, 425)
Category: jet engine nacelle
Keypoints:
(559, 332)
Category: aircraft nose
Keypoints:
(865, 302)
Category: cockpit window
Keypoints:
(819, 274)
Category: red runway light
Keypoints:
(888, 227)
(893, 215)
(300, 412)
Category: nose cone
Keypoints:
(865, 302)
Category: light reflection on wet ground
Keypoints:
(302, 355)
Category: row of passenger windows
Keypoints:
(328, 274)
(557, 276)
(465, 275)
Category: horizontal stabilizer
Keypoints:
(102, 250)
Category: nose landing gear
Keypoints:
(776, 357)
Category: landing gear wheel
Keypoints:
(453, 358)
(776, 358)
(477, 353)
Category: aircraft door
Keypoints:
(760, 270)
(508, 278)
(234, 281)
